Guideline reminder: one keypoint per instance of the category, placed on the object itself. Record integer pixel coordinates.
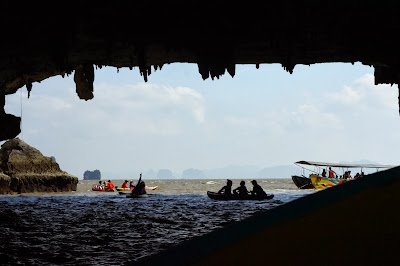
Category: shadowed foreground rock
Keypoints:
(24, 169)
(356, 223)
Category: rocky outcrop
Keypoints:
(24, 169)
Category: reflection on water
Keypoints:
(99, 228)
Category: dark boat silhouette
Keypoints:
(217, 196)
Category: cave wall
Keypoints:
(42, 40)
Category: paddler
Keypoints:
(125, 184)
(140, 187)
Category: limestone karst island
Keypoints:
(24, 169)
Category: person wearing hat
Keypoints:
(125, 184)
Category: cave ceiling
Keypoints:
(39, 41)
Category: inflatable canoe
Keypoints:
(217, 196)
(129, 189)
(96, 188)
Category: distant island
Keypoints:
(229, 172)
(92, 175)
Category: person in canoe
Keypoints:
(110, 186)
(125, 184)
(98, 187)
(140, 187)
(241, 191)
(226, 190)
(131, 185)
(257, 190)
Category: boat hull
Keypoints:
(302, 182)
(128, 190)
(101, 190)
(216, 196)
(320, 182)
(137, 196)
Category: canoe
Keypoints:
(216, 196)
(302, 182)
(95, 188)
(137, 196)
(128, 190)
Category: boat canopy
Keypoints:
(344, 165)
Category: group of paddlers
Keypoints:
(106, 186)
(242, 191)
(139, 189)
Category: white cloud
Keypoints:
(151, 98)
(364, 94)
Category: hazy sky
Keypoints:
(263, 117)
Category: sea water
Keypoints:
(88, 227)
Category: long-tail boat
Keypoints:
(321, 182)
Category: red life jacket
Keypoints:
(124, 185)
(330, 173)
(110, 185)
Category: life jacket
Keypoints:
(330, 173)
(110, 185)
(124, 185)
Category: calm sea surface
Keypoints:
(104, 228)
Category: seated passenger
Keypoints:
(227, 190)
(131, 185)
(257, 190)
(241, 191)
(323, 173)
(110, 186)
(346, 175)
(125, 184)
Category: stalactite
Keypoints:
(289, 68)
(398, 86)
(29, 87)
(231, 69)
(84, 77)
(203, 70)
(142, 65)
(131, 62)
